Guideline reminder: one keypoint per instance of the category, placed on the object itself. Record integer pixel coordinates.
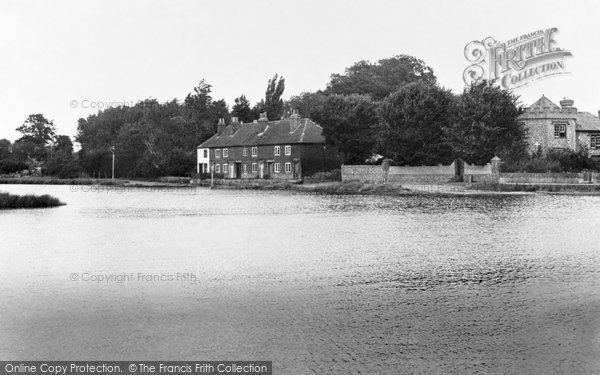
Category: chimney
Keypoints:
(234, 120)
(566, 103)
(294, 120)
(221, 126)
(263, 117)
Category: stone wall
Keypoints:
(376, 174)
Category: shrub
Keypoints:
(552, 161)
(11, 201)
(12, 166)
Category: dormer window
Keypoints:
(560, 131)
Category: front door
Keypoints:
(271, 168)
(296, 170)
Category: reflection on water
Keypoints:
(317, 284)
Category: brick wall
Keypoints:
(310, 158)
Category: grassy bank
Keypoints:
(12, 201)
(59, 181)
(527, 187)
(166, 182)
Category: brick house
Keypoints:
(285, 149)
(553, 127)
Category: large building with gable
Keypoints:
(289, 149)
(561, 127)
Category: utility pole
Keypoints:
(112, 149)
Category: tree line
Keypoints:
(393, 107)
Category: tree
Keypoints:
(485, 124)
(38, 133)
(348, 122)
(242, 110)
(62, 162)
(273, 103)
(382, 78)
(414, 119)
(38, 129)
(5, 148)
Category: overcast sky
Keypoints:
(56, 55)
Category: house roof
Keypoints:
(587, 122)
(543, 103)
(286, 131)
(544, 107)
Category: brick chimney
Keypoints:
(566, 103)
(221, 126)
(294, 120)
(263, 117)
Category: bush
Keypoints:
(11, 201)
(12, 166)
(553, 161)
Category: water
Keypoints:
(317, 284)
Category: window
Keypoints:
(254, 151)
(254, 167)
(245, 168)
(205, 154)
(225, 168)
(218, 168)
(288, 167)
(217, 153)
(288, 150)
(277, 150)
(560, 131)
(245, 151)
(225, 152)
(277, 167)
(595, 141)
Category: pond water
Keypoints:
(315, 283)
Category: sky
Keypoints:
(66, 58)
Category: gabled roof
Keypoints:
(543, 103)
(587, 122)
(286, 131)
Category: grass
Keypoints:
(532, 187)
(12, 201)
(60, 181)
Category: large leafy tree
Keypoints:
(485, 124)
(151, 139)
(348, 122)
(382, 78)
(414, 119)
(38, 133)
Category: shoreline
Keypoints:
(332, 187)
